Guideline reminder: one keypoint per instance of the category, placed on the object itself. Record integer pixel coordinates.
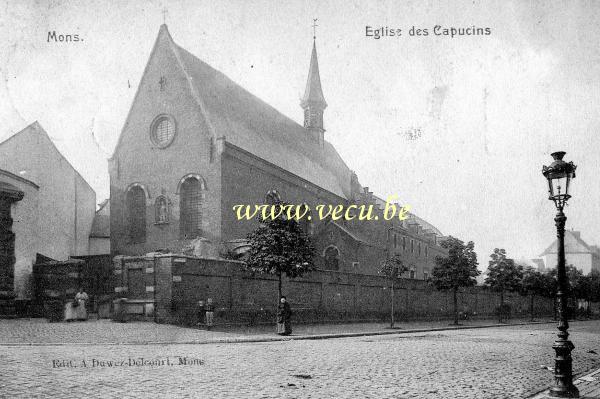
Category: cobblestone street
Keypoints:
(478, 363)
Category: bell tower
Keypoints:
(313, 102)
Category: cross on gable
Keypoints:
(314, 26)
(163, 83)
(164, 13)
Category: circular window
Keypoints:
(162, 130)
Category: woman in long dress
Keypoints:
(284, 316)
(81, 298)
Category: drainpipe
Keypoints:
(154, 291)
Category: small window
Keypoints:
(395, 241)
(331, 256)
(413, 274)
(162, 130)
(355, 265)
(419, 249)
(425, 275)
(404, 243)
(426, 251)
(305, 222)
(412, 246)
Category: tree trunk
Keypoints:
(279, 297)
(454, 292)
(531, 306)
(501, 312)
(392, 318)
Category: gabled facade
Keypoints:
(195, 144)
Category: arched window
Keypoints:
(331, 255)
(136, 214)
(412, 273)
(161, 210)
(190, 208)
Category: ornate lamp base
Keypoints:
(563, 375)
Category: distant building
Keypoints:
(47, 209)
(577, 253)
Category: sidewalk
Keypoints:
(19, 332)
(588, 385)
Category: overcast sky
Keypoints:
(488, 110)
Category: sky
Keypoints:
(458, 128)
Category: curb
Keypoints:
(243, 340)
(577, 381)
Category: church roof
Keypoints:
(256, 127)
(313, 92)
(249, 123)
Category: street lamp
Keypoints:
(559, 175)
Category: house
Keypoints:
(577, 253)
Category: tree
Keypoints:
(457, 270)
(503, 275)
(279, 246)
(393, 268)
(533, 283)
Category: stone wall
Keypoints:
(166, 288)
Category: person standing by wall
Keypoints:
(81, 299)
(284, 315)
(201, 313)
(210, 313)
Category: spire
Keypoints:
(313, 102)
(313, 92)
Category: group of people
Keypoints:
(284, 315)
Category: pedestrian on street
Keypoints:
(284, 315)
(210, 313)
(201, 313)
(81, 299)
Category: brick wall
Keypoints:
(179, 282)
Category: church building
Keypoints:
(195, 144)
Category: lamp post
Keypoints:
(559, 175)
